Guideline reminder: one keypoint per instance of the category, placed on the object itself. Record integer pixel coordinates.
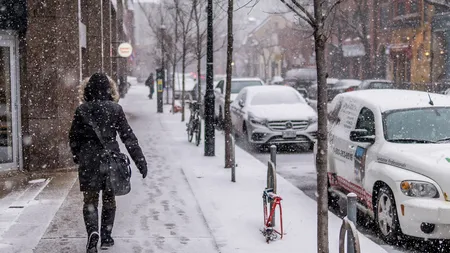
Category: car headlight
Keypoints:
(258, 121)
(312, 120)
(419, 189)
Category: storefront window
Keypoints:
(6, 133)
(401, 8)
(414, 6)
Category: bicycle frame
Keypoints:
(270, 197)
(194, 124)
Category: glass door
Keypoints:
(9, 109)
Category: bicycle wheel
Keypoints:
(198, 131)
(190, 131)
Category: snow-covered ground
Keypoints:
(233, 210)
(187, 204)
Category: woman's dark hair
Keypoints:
(98, 88)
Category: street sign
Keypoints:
(160, 85)
(125, 50)
(160, 89)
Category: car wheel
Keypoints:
(386, 217)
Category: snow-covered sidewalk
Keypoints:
(186, 205)
(233, 211)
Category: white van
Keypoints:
(392, 148)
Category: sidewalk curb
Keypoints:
(210, 231)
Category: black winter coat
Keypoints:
(87, 148)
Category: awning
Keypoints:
(398, 47)
(353, 50)
(395, 49)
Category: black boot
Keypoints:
(108, 215)
(90, 214)
(107, 242)
(91, 246)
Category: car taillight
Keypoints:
(350, 89)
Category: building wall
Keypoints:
(414, 30)
(52, 74)
(51, 68)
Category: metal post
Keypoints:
(159, 86)
(167, 84)
(273, 154)
(233, 159)
(161, 81)
(351, 215)
(209, 96)
(272, 182)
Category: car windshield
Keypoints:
(237, 86)
(276, 97)
(424, 124)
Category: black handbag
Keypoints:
(115, 166)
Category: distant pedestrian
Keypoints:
(151, 84)
(100, 116)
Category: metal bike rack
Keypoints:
(273, 154)
(272, 174)
(349, 228)
(233, 159)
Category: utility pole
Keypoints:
(209, 96)
(161, 76)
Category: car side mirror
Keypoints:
(218, 90)
(241, 103)
(361, 135)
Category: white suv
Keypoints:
(237, 84)
(392, 148)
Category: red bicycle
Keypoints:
(271, 200)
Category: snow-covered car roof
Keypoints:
(242, 79)
(301, 74)
(392, 99)
(245, 79)
(377, 80)
(251, 90)
(352, 82)
(189, 84)
(331, 80)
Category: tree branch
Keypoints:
(303, 9)
(298, 13)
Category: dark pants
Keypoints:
(150, 95)
(90, 212)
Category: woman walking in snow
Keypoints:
(99, 105)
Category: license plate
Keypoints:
(289, 134)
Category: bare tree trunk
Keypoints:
(199, 53)
(227, 123)
(174, 66)
(321, 156)
(183, 67)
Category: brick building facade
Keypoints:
(46, 48)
